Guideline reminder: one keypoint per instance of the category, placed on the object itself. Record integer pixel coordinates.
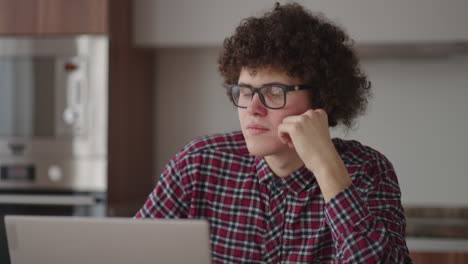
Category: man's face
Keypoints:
(258, 123)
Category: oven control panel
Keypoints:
(17, 173)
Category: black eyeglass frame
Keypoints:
(285, 88)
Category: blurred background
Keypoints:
(161, 88)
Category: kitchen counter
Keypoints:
(437, 222)
(439, 245)
(437, 229)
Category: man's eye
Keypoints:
(277, 94)
(246, 93)
(274, 92)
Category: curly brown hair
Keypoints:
(306, 46)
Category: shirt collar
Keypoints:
(298, 181)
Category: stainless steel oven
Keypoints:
(53, 126)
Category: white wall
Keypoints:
(190, 100)
(417, 117)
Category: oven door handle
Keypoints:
(63, 200)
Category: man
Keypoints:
(282, 190)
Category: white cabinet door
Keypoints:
(162, 23)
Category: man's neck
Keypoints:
(285, 163)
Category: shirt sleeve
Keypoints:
(368, 225)
(169, 199)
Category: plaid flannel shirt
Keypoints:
(257, 217)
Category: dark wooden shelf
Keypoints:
(53, 17)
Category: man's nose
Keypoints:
(256, 106)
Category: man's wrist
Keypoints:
(332, 178)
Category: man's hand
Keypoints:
(309, 135)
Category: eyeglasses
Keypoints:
(272, 96)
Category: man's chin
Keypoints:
(262, 146)
(260, 150)
(257, 153)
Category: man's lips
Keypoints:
(256, 129)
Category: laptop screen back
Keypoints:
(45, 239)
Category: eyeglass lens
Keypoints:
(271, 96)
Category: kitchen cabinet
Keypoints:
(18, 16)
(452, 249)
(180, 23)
(439, 257)
(53, 17)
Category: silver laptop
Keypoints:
(61, 239)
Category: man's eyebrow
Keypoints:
(265, 84)
(244, 84)
(278, 83)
